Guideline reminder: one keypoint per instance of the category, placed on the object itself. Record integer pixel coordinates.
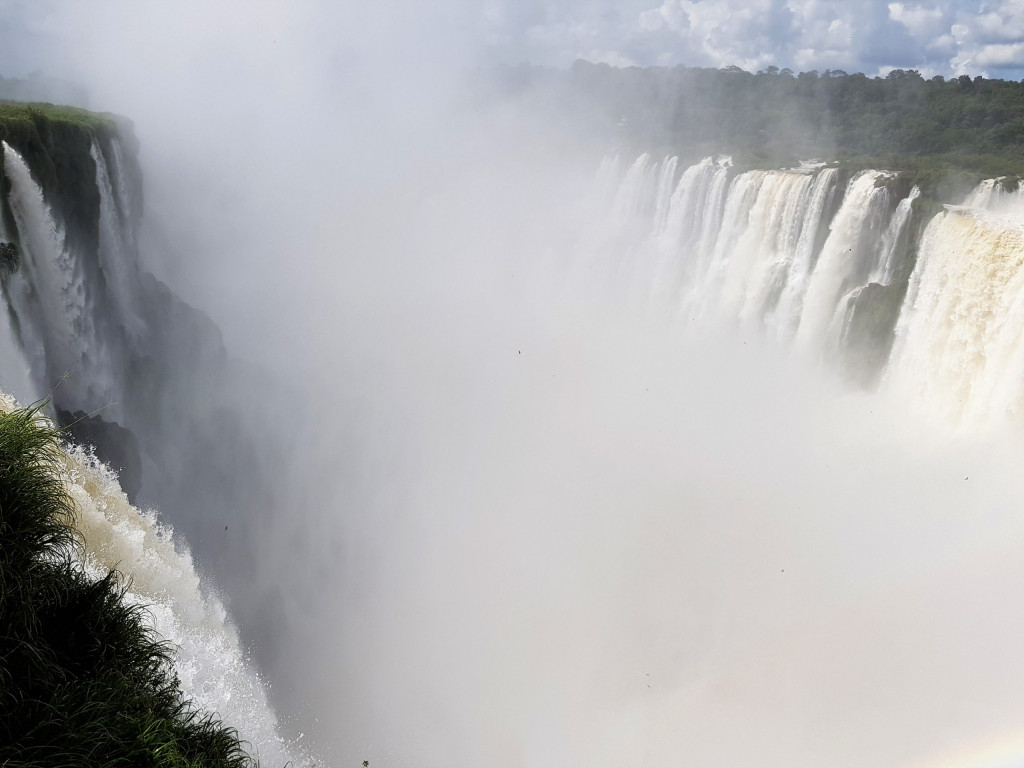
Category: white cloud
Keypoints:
(669, 14)
(722, 33)
(1005, 25)
(1001, 56)
(943, 46)
(873, 36)
(920, 21)
(989, 40)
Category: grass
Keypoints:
(38, 111)
(83, 680)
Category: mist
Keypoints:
(520, 516)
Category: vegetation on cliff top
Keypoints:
(36, 112)
(83, 680)
(774, 118)
(56, 142)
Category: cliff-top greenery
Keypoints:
(83, 680)
(776, 117)
(54, 113)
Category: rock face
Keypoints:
(115, 446)
(128, 366)
(99, 333)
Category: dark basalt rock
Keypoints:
(115, 446)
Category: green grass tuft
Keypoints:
(83, 680)
(12, 111)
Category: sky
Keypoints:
(948, 37)
(937, 38)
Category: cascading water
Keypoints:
(763, 252)
(790, 305)
(756, 247)
(995, 195)
(116, 250)
(214, 672)
(791, 252)
(804, 254)
(693, 213)
(50, 294)
(847, 258)
(885, 271)
(128, 367)
(958, 349)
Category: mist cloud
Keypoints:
(519, 524)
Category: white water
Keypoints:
(846, 259)
(885, 271)
(993, 195)
(80, 315)
(959, 351)
(15, 370)
(790, 306)
(627, 548)
(50, 289)
(116, 251)
(747, 249)
(214, 671)
(743, 248)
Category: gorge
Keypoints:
(707, 461)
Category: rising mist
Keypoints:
(517, 520)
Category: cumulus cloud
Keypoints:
(989, 40)
(1001, 56)
(738, 32)
(946, 37)
(919, 20)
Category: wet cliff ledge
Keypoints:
(56, 143)
(83, 680)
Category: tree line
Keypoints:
(777, 116)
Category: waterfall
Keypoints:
(790, 305)
(693, 209)
(213, 670)
(745, 248)
(129, 368)
(993, 195)
(15, 367)
(50, 293)
(116, 249)
(763, 252)
(634, 192)
(958, 350)
(812, 258)
(886, 269)
(666, 177)
(845, 259)
(703, 292)
(792, 253)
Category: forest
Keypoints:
(775, 117)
